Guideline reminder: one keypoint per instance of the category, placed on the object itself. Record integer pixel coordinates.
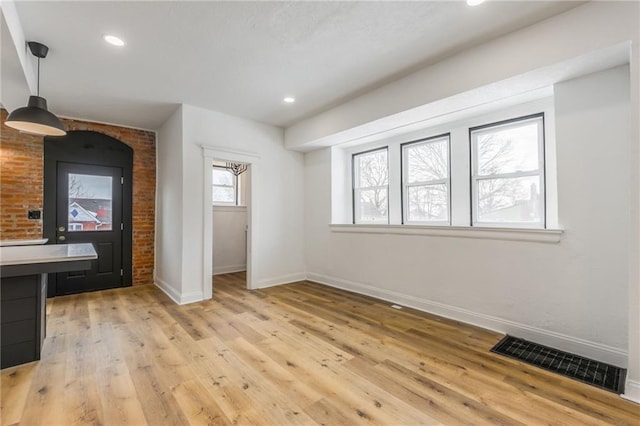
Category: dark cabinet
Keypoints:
(23, 318)
(23, 294)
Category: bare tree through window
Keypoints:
(508, 172)
(77, 188)
(426, 181)
(371, 186)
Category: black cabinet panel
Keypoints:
(18, 331)
(18, 353)
(19, 287)
(18, 309)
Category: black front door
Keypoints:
(88, 198)
(89, 210)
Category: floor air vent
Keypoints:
(586, 370)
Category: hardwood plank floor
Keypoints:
(296, 354)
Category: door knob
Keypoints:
(61, 229)
(61, 238)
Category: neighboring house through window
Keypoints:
(75, 227)
(83, 219)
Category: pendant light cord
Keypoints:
(38, 85)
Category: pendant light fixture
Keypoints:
(35, 118)
(237, 168)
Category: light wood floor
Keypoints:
(295, 354)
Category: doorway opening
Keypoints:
(251, 161)
(230, 204)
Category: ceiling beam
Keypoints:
(19, 79)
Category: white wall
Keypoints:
(169, 201)
(536, 56)
(229, 239)
(572, 295)
(593, 127)
(277, 187)
(632, 390)
(243, 181)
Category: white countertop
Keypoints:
(7, 243)
(24, 255)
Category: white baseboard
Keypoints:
(597, 351)
(284, 279)
(229, 269)
(180, 299)
(194, 296)
(167, 289)
(632, 391)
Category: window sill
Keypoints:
(507, 234)
(223, 208)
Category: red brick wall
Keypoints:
(21, 167)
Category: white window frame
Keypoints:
(234, 187)
(76, 227)
(539, 172)
(356, 189)
(406, 185)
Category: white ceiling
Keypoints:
(242, 58)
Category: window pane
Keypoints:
(222, 177)
(223, 195)
(90, 199)
(510, 200)
(371, 169)
(427, 203)
(427, 161)
(224, 188)
(507, 150)
(371, 205)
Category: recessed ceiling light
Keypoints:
(289, 100)
(111, 39)
(474, 2)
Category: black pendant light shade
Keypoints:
(35, 118)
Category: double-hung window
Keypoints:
(225, 186)
(426, 181)
(507, 173)
(371, 186)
